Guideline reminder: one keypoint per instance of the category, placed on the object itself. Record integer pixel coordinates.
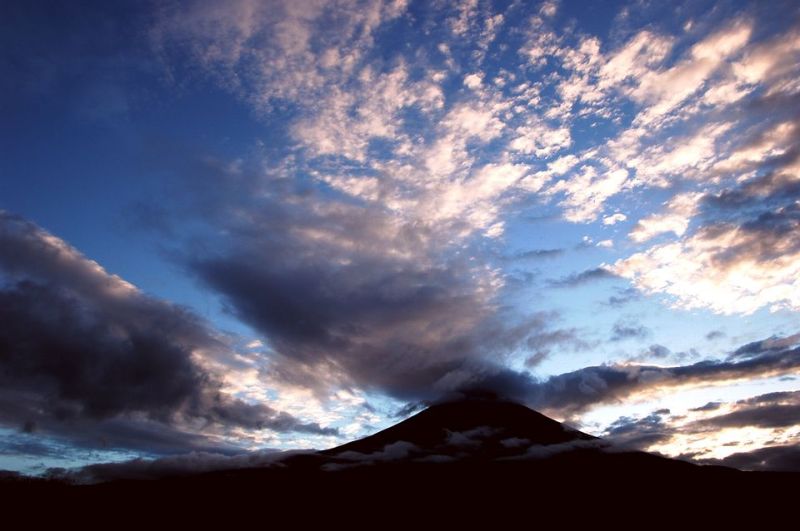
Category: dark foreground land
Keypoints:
(477, 462)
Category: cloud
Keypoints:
(738, 257)
(773, 61)
(270, 53)
(536, 359)
(772, 410)
(586, 192)
(357, 257)
(584, 277)
(574, 392)
(679, 211)
(178, 465)
(614, 219)
(545, 451)
(540, 139)
(354, 256)
(770, 458)
(666, 89)
(660, 353)
(396, 451)
(623, 297)
(771, 344)
(536, 254)
(710, 406)
(86, 355)
(628, 330)
(350, 294)
(546, 340)
(682, 126)
(629, 432)
(764, 424)
(725, 267)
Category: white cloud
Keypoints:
(663, 90)
(467, 11)
(587, 191)
(614, 218)
(676, 217)
(476, 200)
(537, 138)
(638, 56)
(771, 143)
(549, 8)
(687, 156)
(473, 81)
(266, 51)
(347, 120)
(473, 120)
(722, 268)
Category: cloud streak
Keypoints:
(571, 393)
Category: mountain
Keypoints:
(460, 461)
(473, 427)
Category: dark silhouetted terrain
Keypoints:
(464, 461)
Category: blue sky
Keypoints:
(345, 207)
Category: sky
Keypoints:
(239, 226)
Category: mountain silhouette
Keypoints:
(475, 427)
(455, 461)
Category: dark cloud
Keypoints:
(715, 334)
(346, 293)
(662, 353)
(576, 391)
(639, 433)
(16, 444)
(658, 351)
(754, 196)
(771, 344)
(628, 330)
(775, 411)
(537, 254)
(773, 458)
(83, 354)
(772, 410)
(623, 297)
(582, 278)
(710, 406)
(546, 341)
(562, 337)
(773, 185)
(762, 212)
(536, 358)
(762, 239)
